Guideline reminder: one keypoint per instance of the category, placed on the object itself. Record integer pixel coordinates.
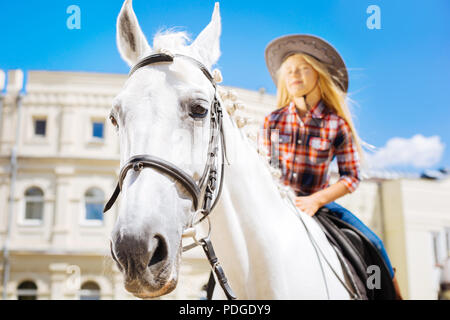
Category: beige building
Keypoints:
(59, 161)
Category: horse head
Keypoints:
(163, 111)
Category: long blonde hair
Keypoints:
(333, 97)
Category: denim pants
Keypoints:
(346, 216)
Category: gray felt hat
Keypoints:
(281, 48)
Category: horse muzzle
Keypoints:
(148, 272)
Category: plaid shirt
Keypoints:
(306, 146)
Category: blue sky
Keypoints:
(399, 75)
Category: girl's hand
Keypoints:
(308, 204)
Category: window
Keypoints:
(90, 291)
(40, 127)
(27, 290)
(34, 204)
(93, 199)
(97, 129)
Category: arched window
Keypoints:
(93, 199)
(27, 290)
(90, 291)
(34, 204)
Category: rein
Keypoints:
(203, 193)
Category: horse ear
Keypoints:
(207, 44)
(131, 42)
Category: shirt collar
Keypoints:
(318, 111)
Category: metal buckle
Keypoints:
(191, 231)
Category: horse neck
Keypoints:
(262, 245)
(251, 220)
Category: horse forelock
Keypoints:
(174, 41)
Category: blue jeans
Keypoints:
(346, 216)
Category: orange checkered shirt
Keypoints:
(303, 148)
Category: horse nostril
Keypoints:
(160, 252)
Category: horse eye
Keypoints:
(113, 121)
(197, 111)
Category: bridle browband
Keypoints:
(202, 193)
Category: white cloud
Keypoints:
(418, 151)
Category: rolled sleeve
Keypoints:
(350, 182)
(347, 157)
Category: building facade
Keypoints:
(59, 161)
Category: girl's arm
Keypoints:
(310, 204)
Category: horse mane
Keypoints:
(284, 190)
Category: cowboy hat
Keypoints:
(281, 48)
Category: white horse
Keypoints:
(260, 241)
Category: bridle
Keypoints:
(203, 193)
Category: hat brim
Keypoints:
(281, 48)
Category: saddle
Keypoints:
(357, 253)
